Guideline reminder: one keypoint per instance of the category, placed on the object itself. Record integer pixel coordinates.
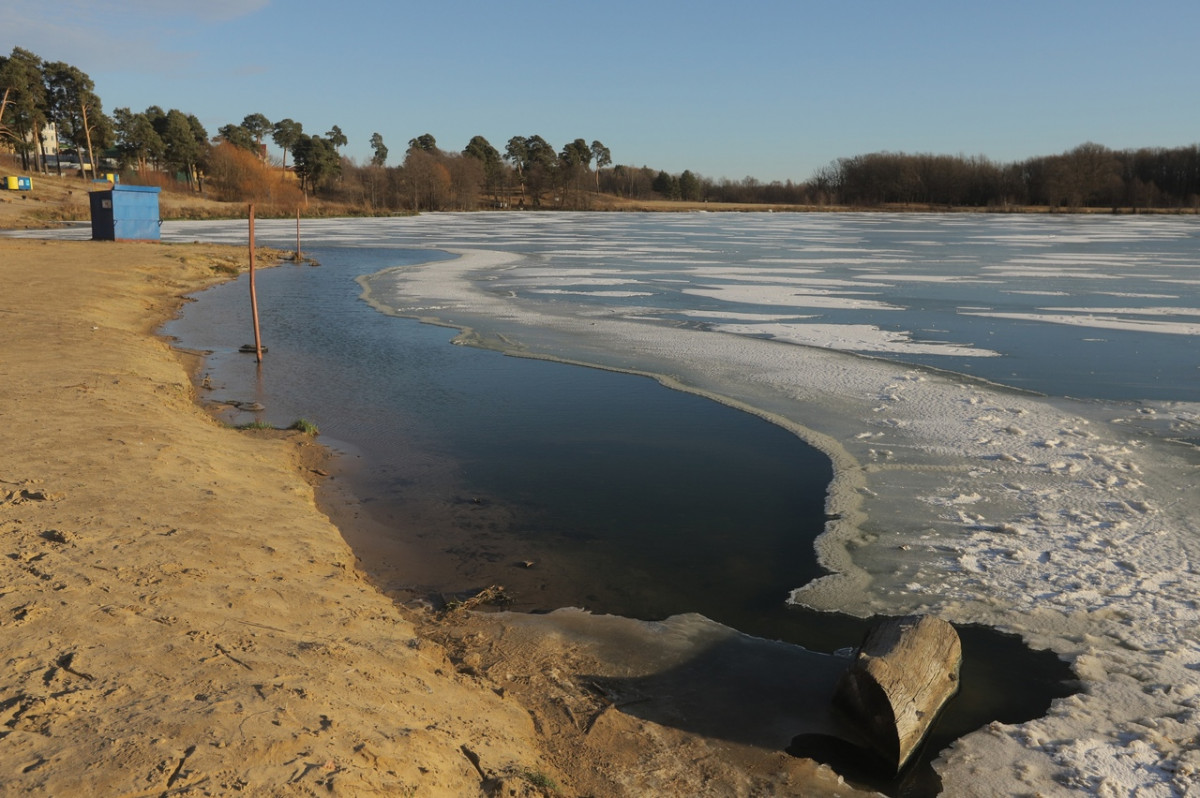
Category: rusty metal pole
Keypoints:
(253, 293)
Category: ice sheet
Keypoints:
(771, 296)
(1090, 318)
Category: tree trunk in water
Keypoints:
(902, 675)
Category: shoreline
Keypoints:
(166, 632)
(58, 201)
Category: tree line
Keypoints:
(172, 145)
(1088, 176)
(529, 173)
(37, 96)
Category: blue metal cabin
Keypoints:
(125, 213)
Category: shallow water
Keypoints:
(594, 461)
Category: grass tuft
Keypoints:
(539, 779)
(299, 425)
(305, 426)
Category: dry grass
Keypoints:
(51, 201)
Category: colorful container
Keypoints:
(18, 184)
(125, 213)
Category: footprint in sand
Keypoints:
(25, 493)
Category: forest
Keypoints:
(52, 121)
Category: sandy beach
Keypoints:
(177, 616)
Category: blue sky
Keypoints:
(773, 89)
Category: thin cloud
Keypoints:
(106, 12)
(119, 35)
(58, 38)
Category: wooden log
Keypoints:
(900, 679)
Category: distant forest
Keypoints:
(172, 149)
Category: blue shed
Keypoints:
(125, 213)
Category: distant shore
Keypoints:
(54, 200)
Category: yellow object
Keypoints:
(18, 183)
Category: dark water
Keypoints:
(646, 501)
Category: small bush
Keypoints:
(239, 176)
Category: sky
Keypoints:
(769, 89)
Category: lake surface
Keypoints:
(493, 461)
(1093, 307)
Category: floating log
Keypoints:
(900, 679)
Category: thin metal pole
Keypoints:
(253, 293)
(297, 235)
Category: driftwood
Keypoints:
(902, 675)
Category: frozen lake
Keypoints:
(966, 482)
